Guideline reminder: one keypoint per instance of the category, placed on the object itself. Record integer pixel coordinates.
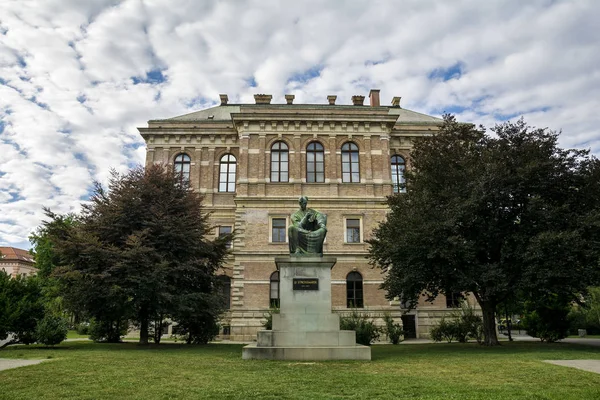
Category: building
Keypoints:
(253, 161)
(15, 261)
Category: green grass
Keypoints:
(85, 370)
(72, 334)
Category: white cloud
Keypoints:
(69, 106)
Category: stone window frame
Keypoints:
(287, 225)
(226, 282)
(314, 162)
(349, 152)
(227, 182)
(219, 234)
(274, 302)
(361, 227)
(279, 151)
(397, 175)
(351, 290)
(183, 176)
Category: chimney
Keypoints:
(262, 98)
(289, 98)
(358, 100)
(374, 97)
(224, 99)
(331, 99)
(396, 101)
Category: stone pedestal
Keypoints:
(305, 328)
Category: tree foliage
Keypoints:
(492, 215)
(21, 307)
(139, 251)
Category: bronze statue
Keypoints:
(307, 231)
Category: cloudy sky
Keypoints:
(77, 77)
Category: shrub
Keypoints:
(462, 326)
(393, 331)
(107, 331)
(366, 330)
(547, 324)
(268, 323)
(51, 330)
(444, 330)
(83, 328)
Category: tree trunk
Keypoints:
(158, 329)
(508, 325)
(144, 325)
(489, 324)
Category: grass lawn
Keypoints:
(85, 370)
(71, 334)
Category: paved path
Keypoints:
(586, 365)
(8, 363)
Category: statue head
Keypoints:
(303, 201)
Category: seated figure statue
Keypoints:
(307, 231)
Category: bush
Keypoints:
(51, 330)
(444, 330)
(83, 328)
(393, 331)
(268, 323)
(547, 324)
(366, 330)
(462, 326)
(107, 331)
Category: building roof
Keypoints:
(15, 254)
(224, 112)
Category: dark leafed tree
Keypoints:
(492, 215)
(139, 251)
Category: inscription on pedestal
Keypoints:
(305, 284)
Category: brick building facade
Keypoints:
(253, 161)
(16, 261)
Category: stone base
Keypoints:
(305, 328)
(316, 353)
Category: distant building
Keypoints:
(253, 161)
(17, 261)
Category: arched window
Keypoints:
(181, 167)
(279, 162)
(398, 167)
(227, 168)
(315, 163)
(225, 282)
(354, 290)
(274, 290)
(350, 165)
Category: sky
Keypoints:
(78, 77)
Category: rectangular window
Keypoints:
(225, 230)
(278, 230)
(352, 230)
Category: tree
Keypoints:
(139, 251)
(21, 307)
(492, 215)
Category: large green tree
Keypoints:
(492, 215)
(140, 251)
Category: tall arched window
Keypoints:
(274, 290)
(350, 165)
(181, 167)
(279, 162)
(227, 168)
(354, 290)
(398, 167)
(315, 163)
